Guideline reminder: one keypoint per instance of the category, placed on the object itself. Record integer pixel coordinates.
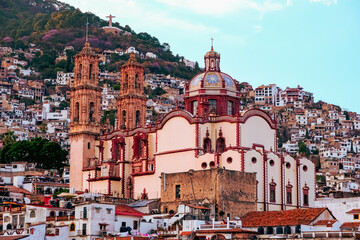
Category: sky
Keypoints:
(311, 43)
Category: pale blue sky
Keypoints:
(313, 43)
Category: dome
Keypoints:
(212, 80)
(212, 53)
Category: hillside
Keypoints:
(52, 25)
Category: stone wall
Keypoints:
(233, 192)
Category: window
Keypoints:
(108, 210)
(203, 165)
(123, 120)
(306, 195)
(213, 106)
(32, 214)
(230, 108)
(289, 193)
(220, 145)
(76, 115)
(135, 225)
(356, 216)
(207, 145)
(137, 120)
(72, 227)
(177, 191)
(194, 107)
(272, 191)
(91, 112)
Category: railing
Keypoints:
(81, 232)
(330, 234)
(60, 218)
(217, 226)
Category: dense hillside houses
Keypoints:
(161, 149)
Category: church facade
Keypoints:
(210, 133)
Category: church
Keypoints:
(211, 133)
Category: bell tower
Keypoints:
(131, 103)
(85, 110)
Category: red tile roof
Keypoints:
(355, 210)
(123, 209)
(350, 225)
(327, 223)
(197, 207)
(282, 218)
(231, 230)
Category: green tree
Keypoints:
(10, 138)
(46, 154)
(303, 149)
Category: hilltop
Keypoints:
(51, 25)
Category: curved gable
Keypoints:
(176, 133)
(257, 128)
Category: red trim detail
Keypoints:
(177, 151)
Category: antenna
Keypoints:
(87, 29)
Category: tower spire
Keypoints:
(212, 44)
(87, 30)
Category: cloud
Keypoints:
(258, 28)
(326, 2)
(220, 8)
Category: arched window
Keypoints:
(220, 145)
(213, 106)
(90, 70)
(287, 230)
(137, 120)
(52, 214)
(261, 230)
(91, 112)
(230, 108)
(72, 227)
(125, 85)
(8, 227)
(269, 230)
(60, 214)
(272, 191)
(124, 119)
(32, 214)
(306, 195)
(76, 115)
(207, 145)
(194, 107)
(137, 81)
(80, 71)
(279, 230)
(289, 193)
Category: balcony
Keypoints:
(60, 218)
(81, 232)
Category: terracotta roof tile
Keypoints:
(281, 218)
(197, 207)
(355, 210)
(327, 223)
(350, 225)
(123, 209)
